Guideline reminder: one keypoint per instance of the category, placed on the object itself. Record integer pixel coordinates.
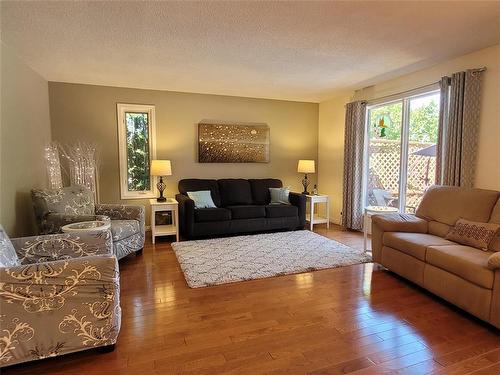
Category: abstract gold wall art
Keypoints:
(220, 142)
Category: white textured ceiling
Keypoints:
(284, 50)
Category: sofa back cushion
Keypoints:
(8, 255)
(234, 191)
(260, 189)
(447, 204)
(438, 229)
(71, 200)
(495, 218)
(197, 184)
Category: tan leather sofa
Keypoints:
(414, 247)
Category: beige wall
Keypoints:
(25, 129)
(332, 112)
(88, 113)
(331, 151)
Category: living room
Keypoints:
(297, 145)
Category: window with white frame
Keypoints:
(400, 162)
(137, 147)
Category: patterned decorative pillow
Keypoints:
(472, 233)
(279, 195)
(8, 255)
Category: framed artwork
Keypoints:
(220, 142)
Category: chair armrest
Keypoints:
(494, 261)
(299, 200)
(76, 300)
(54, 247)
(121, 211)
(393, 223)
(124, 212)
(53, 221)
(400, 223)
(186, 215)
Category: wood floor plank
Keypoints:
(357, 320)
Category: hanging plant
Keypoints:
(380, 125)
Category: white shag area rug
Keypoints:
(228, 260)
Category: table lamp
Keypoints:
(161, 168)
(306, 166)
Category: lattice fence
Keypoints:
(385, 168)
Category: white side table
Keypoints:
(314, 218)
(164, 230)
(367, 219)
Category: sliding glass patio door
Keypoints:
(400, 161)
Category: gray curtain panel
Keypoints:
(354, 139)
(458, 128)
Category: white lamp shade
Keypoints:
(306, 166)
(161, 168)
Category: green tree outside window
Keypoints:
(138, 157)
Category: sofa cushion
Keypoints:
(414, 244)
(447, 204)
(235, 192)
(438, 229)
(211, 214)
(281, 210)
(466, 262)
(196, 184)
(8, 255)
(247, 211)
(121, 229)
(260, 189)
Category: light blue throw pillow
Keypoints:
(279, 195)
(202, 199)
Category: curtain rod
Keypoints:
(414, 90)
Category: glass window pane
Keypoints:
(423, 133)
(384, 155)
(138, 157)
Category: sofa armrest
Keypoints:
(400, 223)
(54, 247)
(393, 223)
(494, 261)
(299, 200)
(186, 215)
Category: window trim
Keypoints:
(121, 109)
(404, 98)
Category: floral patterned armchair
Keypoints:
(58, 294)
(55, 208)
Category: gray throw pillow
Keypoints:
(279, 195)
(202, 199)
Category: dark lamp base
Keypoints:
(161, 199)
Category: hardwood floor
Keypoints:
(358, 320)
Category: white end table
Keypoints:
(164, 230)
(314, 218)
(367, 219)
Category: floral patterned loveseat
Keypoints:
(58, 294)
(55, 208)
